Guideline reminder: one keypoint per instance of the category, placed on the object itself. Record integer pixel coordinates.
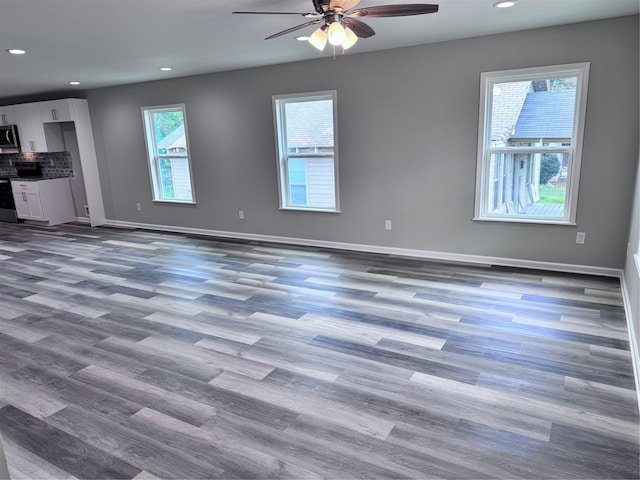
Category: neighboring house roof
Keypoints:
(310, 124)
(175, 140)
(546, 115)
(508, 98)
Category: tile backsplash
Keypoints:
(56, 164)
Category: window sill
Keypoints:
(302, 209)
(539, 221)
(179, 202)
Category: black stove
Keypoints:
(31, 170)
(7, 204)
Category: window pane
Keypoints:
(309, 125)
(169, 132)
(527, 184)
(175, 179)
(525, 112)
(311, 182)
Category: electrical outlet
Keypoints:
(387, 224)
(86, 210)
(138, 207)
(241, 214)
(580, 238)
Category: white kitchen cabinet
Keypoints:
(28, 205)
(57, 111)
(35, 135)
(40, 130)
(7, 115)
(48, 200)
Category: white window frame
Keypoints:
(282, 155)
(574, 152)
(153, 158)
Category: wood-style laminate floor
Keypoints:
(131, 354)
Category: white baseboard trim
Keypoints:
(635, 354)
(404, 252)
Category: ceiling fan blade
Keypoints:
(308, 15)
(401, 10)
(361, 29)
(293, 29)
(344, 5)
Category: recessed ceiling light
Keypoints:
(302, 38)
(166, 69)
(16, 51)
(74, 83)
(506, 4)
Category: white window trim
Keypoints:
(487, 80)
(283, 182)
(150, 142)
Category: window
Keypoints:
(530, 144)
(305, 128)
(168, 153)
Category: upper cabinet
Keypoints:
(57, 111)
(7, 115)
(35, 136)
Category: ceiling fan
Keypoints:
(341, 25)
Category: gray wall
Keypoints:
(631, 277)
(407, 133)
(632, 274)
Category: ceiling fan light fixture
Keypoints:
(341, 25)
(350, 39)
(337, 34)
(319, 38)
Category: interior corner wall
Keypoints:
(631, 275)
(631, 280)
(407, 140)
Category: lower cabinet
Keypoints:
(48, 201)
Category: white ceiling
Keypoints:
(110, 42)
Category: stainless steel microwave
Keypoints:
(9, 136)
